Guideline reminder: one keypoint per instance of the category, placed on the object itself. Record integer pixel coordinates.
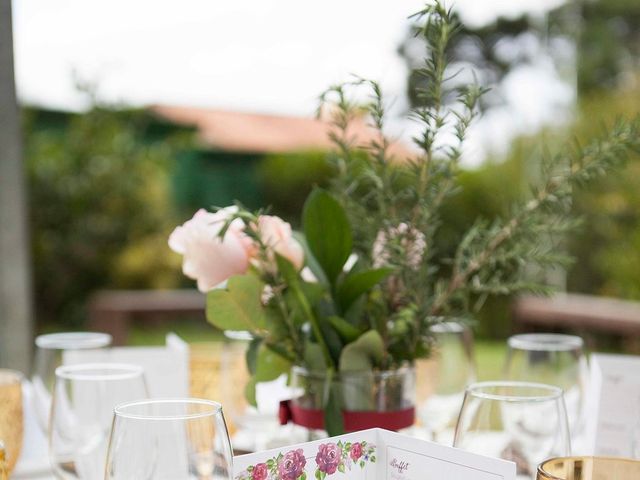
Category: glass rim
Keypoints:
(81, 371)
(550, 476)
(554, 342)
(477, 390)
(381, 374)
(13, 376)
(215, 408)
(73, 340)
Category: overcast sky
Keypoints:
(272, 56)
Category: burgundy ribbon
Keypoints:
(313, 418)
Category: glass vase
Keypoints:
(368, 399)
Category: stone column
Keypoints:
(16, 324)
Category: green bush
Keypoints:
(288, 178)
(100, 208)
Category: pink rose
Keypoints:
(276, 234)
(328, 458)
(259, 472)
(206, 257)
(356, 451)
(291, 466)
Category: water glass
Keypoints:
(552, 359)
(169, 439)
(518, 421)
(84, 398)
(49, 353)
(445, 376)
(11, 421)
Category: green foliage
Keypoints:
(327, 231)
(99, 207)
(288, 178)
(238, 306)
(395, 208)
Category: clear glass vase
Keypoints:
(370, 398)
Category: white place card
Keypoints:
(613, 406)
(370, 455)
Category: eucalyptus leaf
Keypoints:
(238, 306)
(363, 354)
(270, 365)
(327, 231)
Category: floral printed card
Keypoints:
(370, 455)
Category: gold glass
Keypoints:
(589, 468)
(4, 474)
(11, 427)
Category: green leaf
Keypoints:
(252, 355)
(303, 476)
(348, 333)
(310, 259)
(363, 354)
(332, 340)
(327, 231)
(313, 357)
(270, 365)
(356, 284)
(341, 468)
(237, 307)
(318, 475)
(361, 463)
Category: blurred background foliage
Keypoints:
(107, 186)
(100, 206)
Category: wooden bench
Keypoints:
(580, 313)
(112, 311)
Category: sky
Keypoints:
(250, 55)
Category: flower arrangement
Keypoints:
(359, 288)
(331, 457)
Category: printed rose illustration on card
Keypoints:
(330, 457)
(342, 456)
(288, 466)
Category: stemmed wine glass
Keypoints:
(518, 421)
(49, 353)
(447, 373)
(84, 398)
(169, 439)
(554, 359)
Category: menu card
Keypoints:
(370, 455)
(613, 406)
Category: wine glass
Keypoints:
(518, 421)
(552, 359)
(49, 356)
(445, 375)
(82, 412)
(11, 419)
(169, 439)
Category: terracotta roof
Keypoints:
(259, 133)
